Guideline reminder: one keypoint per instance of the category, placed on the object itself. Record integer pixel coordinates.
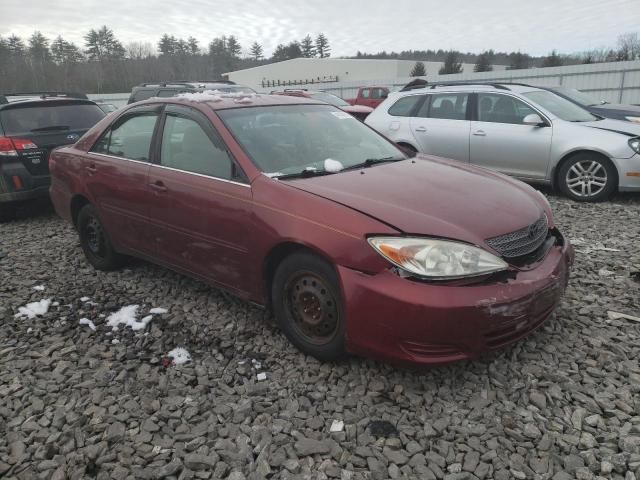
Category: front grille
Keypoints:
(523, 241)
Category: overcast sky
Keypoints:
(536, 27)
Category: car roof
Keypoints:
(30, 102)
(233, 100)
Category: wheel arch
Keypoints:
(569, 155)
(77, 202)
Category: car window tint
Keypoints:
(376, 93)
(129, 139)
(167, 93)
(143, 94)
(452, 106)
(55, 116)
(364, 93)
(186, 146)
(498, 108)
(404, 106)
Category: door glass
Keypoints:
(376, 93)
(404, 107)
(452, 106)
(167, 93)
(364, 93)
(496, 108)
(186, 146)
(129, 139)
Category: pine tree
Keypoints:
(15, 45)
(194, 48)
(451, 64)
(518, 61)
(39, 48)
(65, 52)
(552, 60)
(308, 48)
(167, 45)
(233, 47)
(322, 46)
(256, 51)
(418, 70)
(483, 64)
(102, 44)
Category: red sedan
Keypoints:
(295, 205)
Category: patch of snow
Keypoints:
(85, 299)
(29, 330)
(179, 355)
(158, 310)
(55, 304)
(34, 309)
(87, 322)
(333, 166)
(336, 426)
(261, 376)
(206, 96)
(39, 288)
(115, 341)
(127, 316)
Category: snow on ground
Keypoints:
(128, 316)
(84, 299)
(179, 356)
(158, 310)
(39, 288)
(34, 309)
(89, 323)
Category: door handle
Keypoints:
(91, 169)
(421, 129)
(479, 133)
(158, 186)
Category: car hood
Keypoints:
(433, 196)
(618, 108)
(629, 129)
(356, 108)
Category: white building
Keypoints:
(326, 70)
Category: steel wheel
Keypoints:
(95, 242)
(312, 307)
(95, 237)
(586, 178)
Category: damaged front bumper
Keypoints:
(398, 319)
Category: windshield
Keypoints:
(329, 98)
(561, 108)
(42, 118)
(287, 139)
(577, 96)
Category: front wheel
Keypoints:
(94, 241)
(308, 306)
(587, 177)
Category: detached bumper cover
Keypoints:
(398, 319)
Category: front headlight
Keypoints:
(437, 259)
(633, 119)
(634, 143)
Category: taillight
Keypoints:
(9, 146)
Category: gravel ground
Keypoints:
(82, 403)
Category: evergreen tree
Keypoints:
(102, 44)
(233, 47)
(518, 61)
(15, 45)
(287, 52)
(167, 45)
(322, 46)
(256, 51)
(418, 70)
(194, 48)
(39, 48)
(451, 64)
(483, 64)
(65, 52)
(308, 48)
(553, 60)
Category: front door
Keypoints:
(500, 141)
(201, 202)
(441, 126)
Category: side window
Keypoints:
(143, 94)
(404, 106)
(452, 106)
(364, 93)
(186, 146)
(376, 93)
(130, 138)
(167, 93)
(496, 108)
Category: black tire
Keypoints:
(587, 177)
(7, 212)
(308, 306)
(95, 242)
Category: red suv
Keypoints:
(295, 205)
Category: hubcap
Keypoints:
(587, 178)
(312, 308)
(95, 238)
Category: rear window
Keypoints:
(404, 107)
(47, 118)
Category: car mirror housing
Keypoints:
(533, 119)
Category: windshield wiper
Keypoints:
(372, 161)
(51, 128)
(307, 172)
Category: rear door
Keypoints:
(115, 172)
(201, 201)
(441, 125)
(500, 141)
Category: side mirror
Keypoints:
(534, 120)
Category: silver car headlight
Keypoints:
(633, 119)
(634, 143)
(437, 259)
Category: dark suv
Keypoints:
(31, 125)
(172, 89)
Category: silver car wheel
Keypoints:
(587, 178)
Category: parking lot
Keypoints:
(564, 403)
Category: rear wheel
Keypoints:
(94, 241)
(587, 177)
(308, 306)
